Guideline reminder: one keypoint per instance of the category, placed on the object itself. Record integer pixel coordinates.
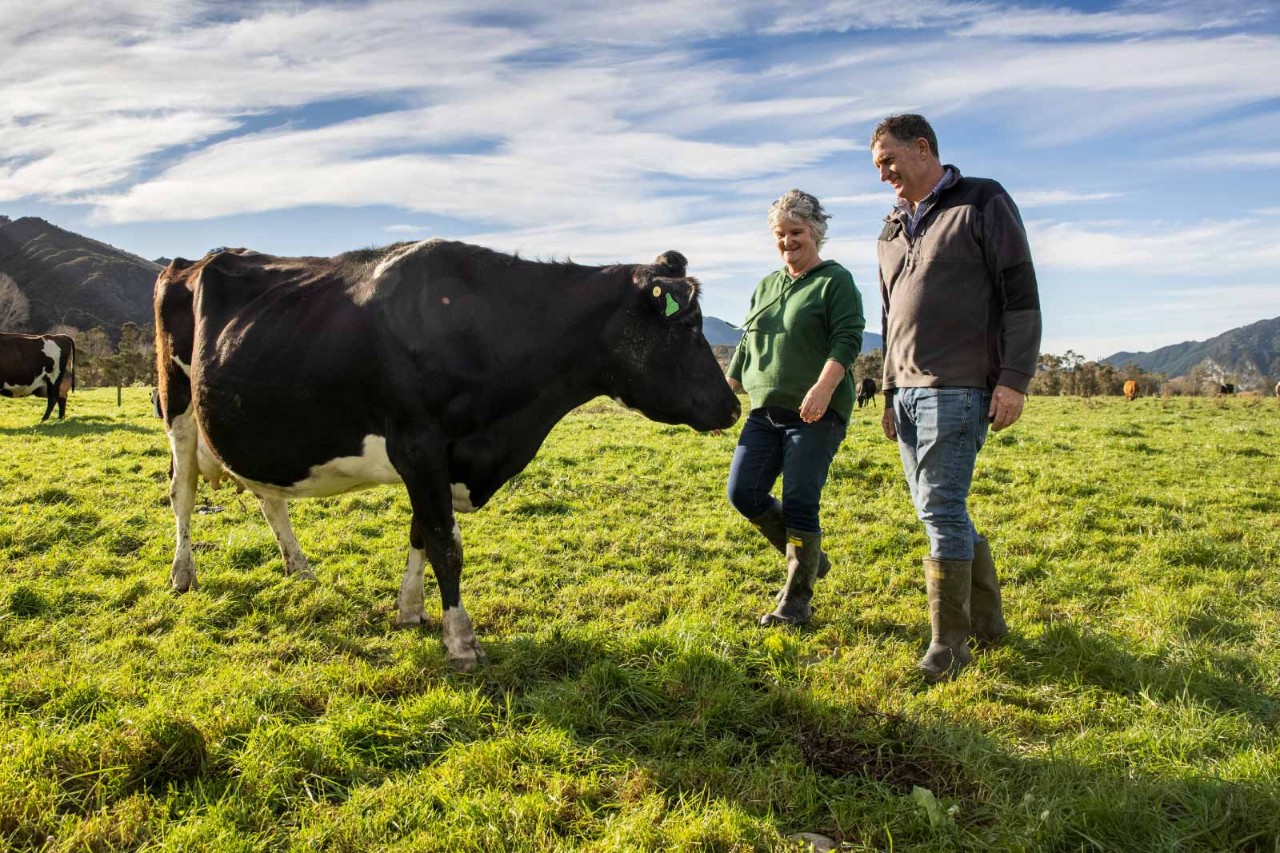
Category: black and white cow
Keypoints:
(40, 366)
(438, 365)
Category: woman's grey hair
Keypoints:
(802, 207)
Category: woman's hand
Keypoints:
(815, 403)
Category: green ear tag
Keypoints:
(672, 306)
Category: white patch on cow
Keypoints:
(457, 537)
(461, 498)
(411, 602)
(345, 474)
(185, 368)
(460, 641)
(50, 350)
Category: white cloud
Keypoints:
(1045, 198)
(1234, 158)
(1222, 250)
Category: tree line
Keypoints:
(101, 363)
(1071, 374)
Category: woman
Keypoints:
(802, 333)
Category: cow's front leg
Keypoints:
(51, 392)
(433, 538)
(430, 543)
(276, 511)
(183, 478)
(411, 603)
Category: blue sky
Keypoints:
(1141, 140)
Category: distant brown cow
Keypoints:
(40, 366)
(1130, 389)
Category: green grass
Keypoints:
(629, 702)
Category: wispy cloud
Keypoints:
(1152, 247)
(1046, 198)
(1234, 158)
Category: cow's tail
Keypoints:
(72, 363)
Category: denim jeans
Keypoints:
(775, 441)
(940, 431)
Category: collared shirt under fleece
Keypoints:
(793, 328)
(959, 300)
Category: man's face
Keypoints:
(907, 167)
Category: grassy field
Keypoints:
(629, 702)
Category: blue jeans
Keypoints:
(940, 431)
(775, 441)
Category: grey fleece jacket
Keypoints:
(960, 305)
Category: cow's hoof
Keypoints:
(404, 621)
(183, 575)
(303, 575)
(468, 658)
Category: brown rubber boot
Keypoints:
(803, 553)
(773, 527)
(948, 583)
(986, 614)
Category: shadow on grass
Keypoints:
(76, 426)
(1069, 653)
(724, 726)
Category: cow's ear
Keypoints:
(670, 263)
(670, 297)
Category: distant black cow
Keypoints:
(155, 403)
(1226, 388)
(867, 392)
(438, 365)
(39, 366)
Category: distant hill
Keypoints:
(1248, 356)
(74, 280)
(720, 333)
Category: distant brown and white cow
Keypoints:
(438, 365)
(1130, 389)
(38, 366)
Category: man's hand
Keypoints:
(887, 423)
(1006, 407)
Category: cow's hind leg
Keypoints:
(276, 511)
(183, 435)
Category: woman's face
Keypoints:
(796, 245)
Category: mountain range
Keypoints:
(720, 333)
(1248, 357)
(74, 280)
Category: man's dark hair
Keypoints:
(907, 128)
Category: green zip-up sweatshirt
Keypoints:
(793, 328)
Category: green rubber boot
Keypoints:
(948, 583)
(773, 527)
(803, 552)
(985, 611)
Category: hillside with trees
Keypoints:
(1248, 357)
(71, 280)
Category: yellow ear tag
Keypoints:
(657, 291)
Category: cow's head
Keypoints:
(662, 365)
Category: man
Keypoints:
(961, 320)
